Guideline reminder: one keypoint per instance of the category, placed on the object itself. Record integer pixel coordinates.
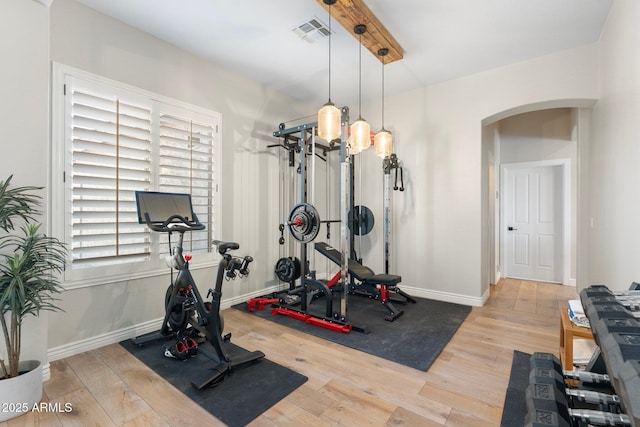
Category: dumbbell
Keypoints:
(635, 286)
(551, 362)
(548, 406)
(549, 401)
(599, 418)
(244, 267)
(600, 295)
(542, 418)
(541, 375)
(617, 333)
(575, 397)
(611, 311)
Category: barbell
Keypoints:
(304, 221)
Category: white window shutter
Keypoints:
(111, 159)
(186, 166)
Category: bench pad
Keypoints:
(357, 270)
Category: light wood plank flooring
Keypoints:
(465, 386)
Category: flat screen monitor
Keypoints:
(161, 206)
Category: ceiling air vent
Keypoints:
(311, 30)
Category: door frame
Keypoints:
(565, 165)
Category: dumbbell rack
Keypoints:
(608, 392)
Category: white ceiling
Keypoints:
(442, 39)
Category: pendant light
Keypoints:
(329, 115)
(383, 141)
(360, 129)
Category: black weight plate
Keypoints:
(288, 269)
(361, 220)
(304, 222)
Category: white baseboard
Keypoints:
(446, 296)
(77, 347)
(46, 372)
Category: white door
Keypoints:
(533, 221)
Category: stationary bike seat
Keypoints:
(223, 247)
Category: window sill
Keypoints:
(128, 277)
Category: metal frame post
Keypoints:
(388, 163)
(345, 249)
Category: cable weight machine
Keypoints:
(303, 224)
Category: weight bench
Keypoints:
(375, 286)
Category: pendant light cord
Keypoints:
(383, 92)
(329, 52)
(360, 79)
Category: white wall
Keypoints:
(85, 39)
(489, 186)
(583, 126)
(615, 153)
(438, 220)
(24, 80)
(539, 135)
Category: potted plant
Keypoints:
(30, 263)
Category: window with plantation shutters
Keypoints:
(110, 148)
(111, 140)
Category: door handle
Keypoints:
(511, 228)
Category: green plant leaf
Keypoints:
(30, 266)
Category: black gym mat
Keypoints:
(242, 396)
(414, 339)
(515, 403)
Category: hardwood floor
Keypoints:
(465, 386)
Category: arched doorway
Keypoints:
(564, 120)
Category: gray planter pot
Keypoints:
(18, 395)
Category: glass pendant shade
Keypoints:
(360, 135)
(329, 122)
(383, 143)
(360, 130)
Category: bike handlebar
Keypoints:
(175, 223)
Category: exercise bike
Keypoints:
(196, 324)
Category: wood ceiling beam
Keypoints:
(350, 13)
